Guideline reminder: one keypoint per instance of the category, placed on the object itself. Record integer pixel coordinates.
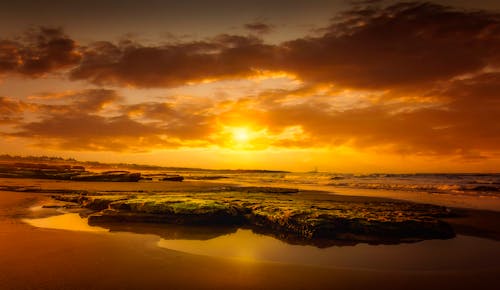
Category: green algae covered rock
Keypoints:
(303, 220)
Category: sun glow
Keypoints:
(241, 135)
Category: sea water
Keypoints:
(459, 253)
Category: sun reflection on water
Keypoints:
(248, 246)
(67, 221)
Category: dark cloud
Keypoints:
(86, 126)
(10, 110)
(92, 132)
(406, 44)
(462, 121)
(85, 101)
(370, 46)
(39, 51)
(77, 125)
(259, 27)
(9, 56)
(224, 57)
(411, 133)
(80, 124)
(94, 100)
(184, 123)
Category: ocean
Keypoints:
(472, 190)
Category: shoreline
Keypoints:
(468, 221)
(57, 259)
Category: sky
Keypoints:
(343, 86)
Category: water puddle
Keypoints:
(67, 221)
(462, 252)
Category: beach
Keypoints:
(252, 145)
(41, 258)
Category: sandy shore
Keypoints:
(34, 258)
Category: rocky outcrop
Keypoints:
(39, 170)
(207, 177)
(172, 178)
(110, 176)
(320, 222)
(63, 172)
(265, 189)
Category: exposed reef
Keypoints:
(63, 172)
(112, 176)
(207, 177)
(278, 212)
(172, 178)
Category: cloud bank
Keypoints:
(427, 76)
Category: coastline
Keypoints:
(59, 259)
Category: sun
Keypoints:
(241, 135)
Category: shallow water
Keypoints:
(452, 190)
(433, 255)
(480, 184)
(479, 191)
(460, 253)
(66, 221)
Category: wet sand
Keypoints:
(35, 258)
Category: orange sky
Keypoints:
(383, 86)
